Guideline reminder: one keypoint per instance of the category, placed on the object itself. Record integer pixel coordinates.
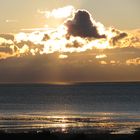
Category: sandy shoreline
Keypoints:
(46, 135)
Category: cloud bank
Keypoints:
(79, 47)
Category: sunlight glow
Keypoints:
(21, 37)
(103, 62)
(62, 56)
(101, 56)
(135, 61)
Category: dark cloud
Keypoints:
(82, 25)
(5, 49)
(30, 44)
(7, 36)
(118, 37)
(46, 37)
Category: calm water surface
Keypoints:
(114, 107)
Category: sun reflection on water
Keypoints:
(112, 122)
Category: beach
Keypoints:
(69, 136)
(108, 111)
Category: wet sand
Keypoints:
(46, 135)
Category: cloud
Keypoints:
(76, 67)
(5, 49)
(4, 41)
(82, 25)
(63, 12)
(118, 37)
(80, 49)
(7, 36)
(128, 39)
(134, 61)
(78, 35)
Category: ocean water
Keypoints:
(75, 108)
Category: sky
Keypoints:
(123, 14)
(67, 41)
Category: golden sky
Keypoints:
(18, 14)
(69, 41)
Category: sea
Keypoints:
(70, 108)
